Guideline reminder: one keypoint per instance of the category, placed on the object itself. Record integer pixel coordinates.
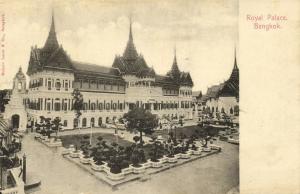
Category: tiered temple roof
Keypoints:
(227, 88)
(231, 86)
(52, 56)
(131, 62)
(177, 76)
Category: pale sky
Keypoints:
(205, 33)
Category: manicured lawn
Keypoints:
(75, 140)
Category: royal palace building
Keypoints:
(108, 92)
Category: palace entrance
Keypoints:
(15, 121)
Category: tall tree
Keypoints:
(141, 120)
(78, 104)
(56, 125)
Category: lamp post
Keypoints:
(116, 131)
(91, 133)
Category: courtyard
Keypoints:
(213, 169)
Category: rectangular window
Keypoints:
(41, 82)
(57, 84)
(65, 123)
(49, 85)
(66, 86)
(48, 106)
(57, 106)
(65, 106)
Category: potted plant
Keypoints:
(156, 154)
(85, 147)
(171, 154)
(184, 150)
(136, 159)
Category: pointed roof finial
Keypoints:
(175, 53)
(130, 52)
(235, 63)
(175, 72)
(130, 27)
(51, 42)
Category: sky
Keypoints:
(205, 33)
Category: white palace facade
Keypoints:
(108, 92)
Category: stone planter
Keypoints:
(156, 164)
(164, 159)
(84, 160)
(72, 148)
(208, 149)
(96, 167)
(138, 170)
(115, 177)
(91, 160)
(178, 156)
(54, 144)
(75, 154)
(147, 164)
(172, 159)
(106, 168)
(127, 170)
(197, 152)
(215, 147)
(190, 152)
(185, 155)
(65, 152)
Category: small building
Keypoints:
(223, 99)
(15, 112)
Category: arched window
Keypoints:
(85, 106)
(213, 109)
(49, 84)
(222, 110)
(92, 122)
(65, 123)
(236, 110)
(93, 106)
(57, 105)
(57, 84)
(100, 106)
(107, 106)
(19, 86)
(107, 120)
(75, 123)
(84, 122)
(231, 111)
